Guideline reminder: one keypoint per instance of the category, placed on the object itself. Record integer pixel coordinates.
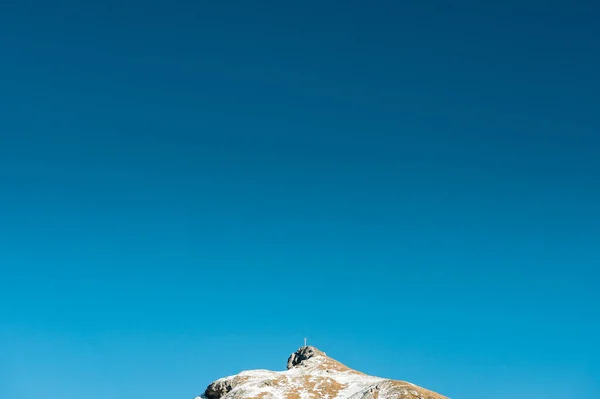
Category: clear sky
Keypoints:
(187, 189)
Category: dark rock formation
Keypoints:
(218, 389)
(302, 354)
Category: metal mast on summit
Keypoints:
(304, 341)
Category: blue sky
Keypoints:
(188, 190)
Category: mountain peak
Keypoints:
(311, 374)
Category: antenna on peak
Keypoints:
(304, 341)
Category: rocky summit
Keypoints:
(311, 374)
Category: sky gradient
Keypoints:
(187, 190)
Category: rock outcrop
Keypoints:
(302, 354)
(218, 389)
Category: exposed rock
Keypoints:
(218, 389)
(302, 354)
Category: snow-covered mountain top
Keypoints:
(312, 374)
